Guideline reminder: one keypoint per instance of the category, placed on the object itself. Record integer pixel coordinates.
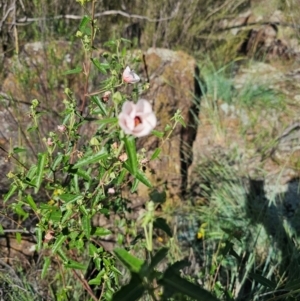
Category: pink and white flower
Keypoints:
(129, 76)
(137, 119)
(111, 191)
(50, 142)
(62, 128)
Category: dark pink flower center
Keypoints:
(137, 121)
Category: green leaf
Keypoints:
(86, 224)
(82, 173)
(57, 160)
(95, 281)
(17, 150)
(97, 262)
(11, 191)
(58, 242)
(19, 210)
(160, 223)
(142, 178)
(132, 291)
(132, 263)
(226, 249)
(83, 210)
(40, 171)
(73, 71)
(117, 97)
(157, 133)
(85, 20)
(157, 258)
(45, 267)
(293, 284)
(91, 159)
(92, 250)
(31, 172)
(116, 270)
(31, 202)
(179, 265)
(99, 66)
(68, 197)
(66, 216)
(107, 121)
(131, 152)
(1, 230)
(18, 237)
(156, 153)
(173, 283)
(32, 129)
(75, 265)
(99, 231)
(134, 185)
(158, 197)
(140, 175)
(235, 254)
(55, 215)
(62, 255)
(126, 41)
(121, 176)
(263, 280)
(110, 43)
(46, 206)
(39, 234)
(96, 100)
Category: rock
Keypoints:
(172, 86)
(33, 74)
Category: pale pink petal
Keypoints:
(111, 191)
(132, 112)
(143, 106)
(129, 76)
(126, 123)
(129, 108)
(62, 128)
(151, 120)
(148, 123)
(140, 131)
(49, 142)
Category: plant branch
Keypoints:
(22, 21)
(87, 73)
(85, 285)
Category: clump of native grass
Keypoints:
(242, 247)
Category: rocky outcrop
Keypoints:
(33, 74)
(172, 87)
(171, 74)
(246, 151)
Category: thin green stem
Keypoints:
(89, 63)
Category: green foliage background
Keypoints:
(193, 26)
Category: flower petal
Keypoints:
(129, 108)
(151, 120)
(143, 106)
(140, 131)
(129, 76)
(126, 123)
(143, 111)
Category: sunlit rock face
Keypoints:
(172, 87)
(246, 150)
(171, 76)
(35, 73)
